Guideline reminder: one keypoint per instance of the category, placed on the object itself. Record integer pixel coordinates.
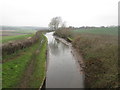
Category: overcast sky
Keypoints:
(75, 12)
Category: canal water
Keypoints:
(62, 70)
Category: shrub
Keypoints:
(12, 47)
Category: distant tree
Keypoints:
(55, 23)
(102, 26)
(71, 27)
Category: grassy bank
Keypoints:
(26, 68)
(100, 56)
(40, 65)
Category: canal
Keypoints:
(62, 68)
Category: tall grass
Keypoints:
(100, 56)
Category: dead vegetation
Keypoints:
(100, 55)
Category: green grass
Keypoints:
(14, 69)
(103, 31)
(40, 69)
(25, 31)
(0, 76)
(13, 38)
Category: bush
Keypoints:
(12, 47)
(64, 33)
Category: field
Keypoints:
(26, 67)
(15, 38)
(16, 32)
(101, 31)
(13, 35)
(99, 49)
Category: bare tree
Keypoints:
(63, 24)
(55, 23)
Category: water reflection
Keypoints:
(54, 47)
(62, 70)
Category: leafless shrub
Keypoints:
(12, 47)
